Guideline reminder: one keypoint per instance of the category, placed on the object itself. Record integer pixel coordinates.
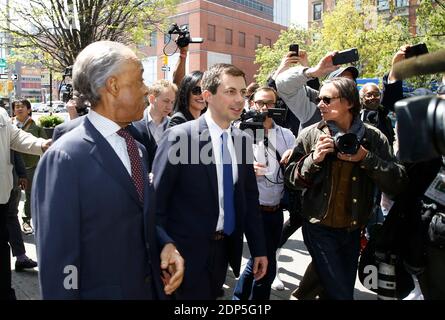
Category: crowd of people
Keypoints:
(150, 194)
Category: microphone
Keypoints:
(425, 64)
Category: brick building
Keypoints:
(231, 29)
(406, 8)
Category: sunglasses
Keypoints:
(196, 91)
(326, 100)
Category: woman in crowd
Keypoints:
(24, 121)
(189, 104)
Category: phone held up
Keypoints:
(416, 50)
(345, 56)
(294, 48)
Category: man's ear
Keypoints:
(112, 85)
(207, 96)
(151, 98)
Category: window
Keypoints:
(228, 36)
(268, 42)
(211, 32)
(257, 41)
(242, 39)
(317, 10)
(401, 3)
(382, 5)
(153, 39)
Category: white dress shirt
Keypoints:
(215, 135)
(157, 130)
(108, 128)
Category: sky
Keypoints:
(299, 12)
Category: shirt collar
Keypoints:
(214, 128)
(104, 125)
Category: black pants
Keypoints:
(6, 292)
(295, 219)
(12, 222)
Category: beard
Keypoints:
(371, 105)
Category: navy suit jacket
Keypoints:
(89, 219)
(139, 130)
(65, 127)
(187, 198)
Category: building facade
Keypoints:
(231, 30)
(386, 8)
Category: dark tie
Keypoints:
(229, 206)
(135, 161)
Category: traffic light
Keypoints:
(165, 60)
(10, 86)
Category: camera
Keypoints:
(347, 143)
(66, 89)
(416, 50)
(183, 33)
(253, 120)
(421, 128)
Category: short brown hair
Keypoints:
(267, 89)
(347, 89)
(212, 77)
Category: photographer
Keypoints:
(270, 154)
(339, 181)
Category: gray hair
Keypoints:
(94, 65)
(368, 84)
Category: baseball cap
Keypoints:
(339, 71)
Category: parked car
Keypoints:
(35, 106)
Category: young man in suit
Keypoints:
(96, 236)
(151, 128)
(206, 191)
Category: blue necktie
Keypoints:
(229, 207)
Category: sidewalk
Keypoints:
(292, 264)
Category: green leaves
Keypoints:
(50, 121)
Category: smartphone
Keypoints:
(294, 47)
(416, 50)
(345, 56)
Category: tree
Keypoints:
(346, 26)
(269, 57)
(60, 29)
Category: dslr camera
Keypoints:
(66, 89)
(183, 33)
(347, 143)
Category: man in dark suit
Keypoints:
(96, 236)
(206, 191)
(65, 127)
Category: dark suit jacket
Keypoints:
(88, 218)
(65, 127)
(187, 198)
(139, 130)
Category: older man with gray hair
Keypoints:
(97, 238)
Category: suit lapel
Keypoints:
(105, 155)
(204, 139)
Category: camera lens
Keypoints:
(346, 143)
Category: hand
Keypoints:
(303, 58)
(359, 156)
(47, 144)
(23, 183)
(285, 64)
(259, 168)
(323, 67)
(259, 267)
(286, 156)
(172, 268)
(399, 56)
(325, 145)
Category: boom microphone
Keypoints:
(425, 64)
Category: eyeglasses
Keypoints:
(326, 100)
(372, 95)
(261, 103)
(196, 91)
